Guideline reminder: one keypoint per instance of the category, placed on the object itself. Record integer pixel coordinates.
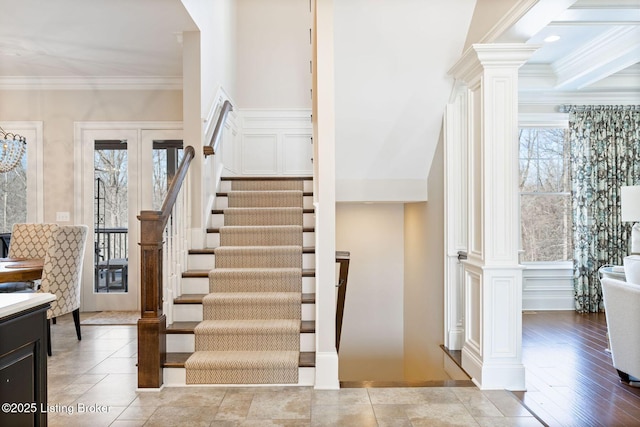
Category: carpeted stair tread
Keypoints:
(255, 280)
(263, 216)
(262, 235)
(243, 367)
(248, 326)
(261, 185)
(248, 335)
(265, 199)
(195, 273)
(258, 256)
(252, 305)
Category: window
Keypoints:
(545, 195)
(13, 196)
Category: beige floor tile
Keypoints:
(342, 415)
(507, 403)
(348, 396)
(174, 416)
(287, 404)
(84, 416)
(440, 414)
(508, 422)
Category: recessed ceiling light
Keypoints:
(552, 39)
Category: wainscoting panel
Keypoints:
(259, 154)
(547, 287)
(297, 153)
(274, 142)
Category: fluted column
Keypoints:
(492, 278)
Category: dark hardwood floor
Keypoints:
(569, 376)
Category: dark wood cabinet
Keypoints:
(23, 368)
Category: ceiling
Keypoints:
(47, 41)
(598, 49)
(72, 39)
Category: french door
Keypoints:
(120, 170)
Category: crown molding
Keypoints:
(480, 56)
(90, 83)
(583, 97)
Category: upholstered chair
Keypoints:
(28, 241)
(31, 240)
(61, 274)
(621, 303)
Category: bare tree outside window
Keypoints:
(111, 168)
(13, 196)
(545, 195)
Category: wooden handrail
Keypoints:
(152, 344)
(212, 146)
(342, 258)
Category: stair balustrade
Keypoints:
(342, 258)
(158, 230)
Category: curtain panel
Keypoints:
(605, 155)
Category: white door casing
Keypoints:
(139, 136)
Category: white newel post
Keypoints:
(492, 350)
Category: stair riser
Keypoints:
(217, 220)
(186, 343)
(225, 186)
(222, 202)
(200, 285)
(193, 312)
(207, 262)
(308, 239)
(177, 377)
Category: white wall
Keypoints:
(424, 280)
(273, 53)
(216, 20)
(371, 347)
(391, 62)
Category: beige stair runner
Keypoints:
(250, 333)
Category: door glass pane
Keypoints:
(111, 216)
(166, 158)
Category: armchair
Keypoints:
(27, 241)
(61, 274)
(621, 302)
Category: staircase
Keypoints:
(247, 309)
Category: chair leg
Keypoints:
(49, 337)
(76, 320)
(54, 320)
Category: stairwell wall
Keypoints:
(371, 345)
(424, 279)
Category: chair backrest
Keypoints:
(62, 268)
(31, 240)
(622, 307)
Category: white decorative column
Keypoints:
(325, 197)
(492, 350)
(455, 155)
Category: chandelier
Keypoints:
(12, 148)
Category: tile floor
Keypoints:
(93, 382)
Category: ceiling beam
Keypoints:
(601, 57)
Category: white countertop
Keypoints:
(11, 303)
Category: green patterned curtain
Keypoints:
(605, 155)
